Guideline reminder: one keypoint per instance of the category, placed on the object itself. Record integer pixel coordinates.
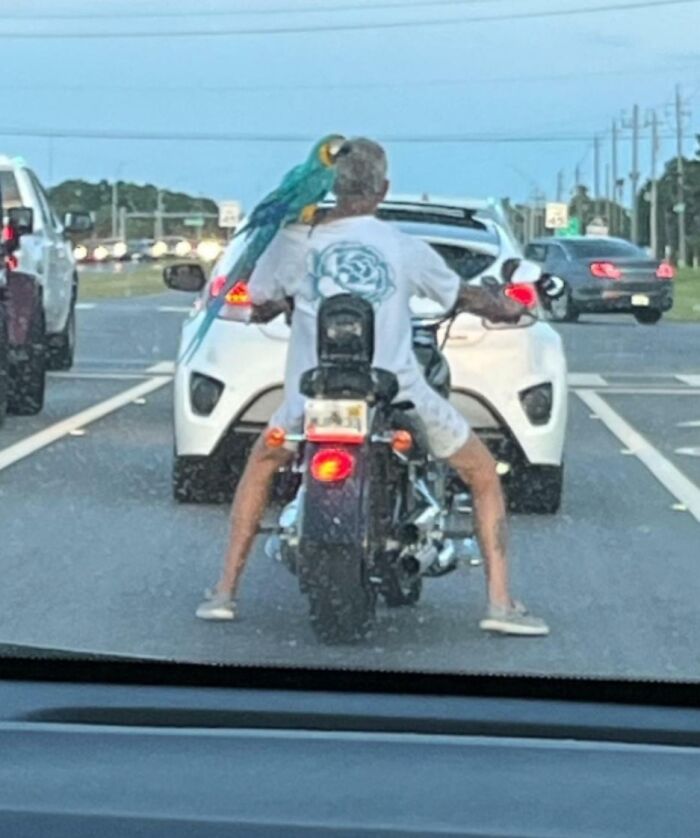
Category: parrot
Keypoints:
(294, 199)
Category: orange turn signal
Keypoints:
(401, 441)
(275, 437)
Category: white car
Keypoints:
(45, 253)
(510, 382)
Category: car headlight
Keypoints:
(159, 249)
(183, 249)
(100, 253)
(205, 393)
(537, 403)
(119, 250)
(80, 252)
(208, 250)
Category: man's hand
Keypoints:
(491, 304)
(268, 311)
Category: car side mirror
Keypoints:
(78, 222)
(185, 277)
(550, 286)
(20, 220)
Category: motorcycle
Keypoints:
(374, 513)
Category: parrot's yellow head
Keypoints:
(326, 150)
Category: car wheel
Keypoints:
(61, 348)
(536, 490)
(563, 310)
(647, 316)
(4, 367)
(28, 377)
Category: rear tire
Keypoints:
(61, 347)
(536, 490)
(341, 603)
(28, 377)
(563, 309)
(647, 316)
(4, 366)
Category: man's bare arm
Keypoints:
(485, 303)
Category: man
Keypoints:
(352, 251)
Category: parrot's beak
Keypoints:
(331, 149)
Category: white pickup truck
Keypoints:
(40, 285)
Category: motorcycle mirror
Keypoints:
(551, 286)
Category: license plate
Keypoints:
(640, 300)
(337, 421)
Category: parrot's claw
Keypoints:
(307, 215)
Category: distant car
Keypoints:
(141, 250)
(604, 275)
(510, 382)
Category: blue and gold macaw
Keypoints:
(294, 199)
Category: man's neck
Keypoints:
(351, 209)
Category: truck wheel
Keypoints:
(647, 316)
(4, 367)
(61, 347)
(28, 377)
(536, 490)
(341, 602)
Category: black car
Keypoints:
(604, 275)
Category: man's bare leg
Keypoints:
(477, 468)
(249, 503)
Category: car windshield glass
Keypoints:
(601, 248)
(352, 334)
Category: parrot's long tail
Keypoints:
(242, 269)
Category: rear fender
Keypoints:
(336, 513)
(22, 294)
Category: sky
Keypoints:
(407, 85)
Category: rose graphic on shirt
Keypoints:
(351, 268)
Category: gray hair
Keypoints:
(361, 169)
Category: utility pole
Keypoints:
(634, 174)
(158, 220)
(654, 207)
(613, 214)
(560, 185)
(577, 193)
(114, 209)
(596, 170)
(680, 206)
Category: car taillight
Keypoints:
(665, 271)
(523, 293)
(237, 296)
(605, 270)
(331, 465)
(8, 233)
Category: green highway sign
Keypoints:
(195, 221)
(573, 228)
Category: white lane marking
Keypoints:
(175, 309)
(102, 376)
(586, 379)
(688, 452)
(35, 442)
(162, 368)
(85, 306)
(683, 489)
(694, 423)
(646, 391)
(691, 380)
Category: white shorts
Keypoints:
(446, 430)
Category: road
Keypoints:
(96, 555)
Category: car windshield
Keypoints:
(602, 248)
(352, 334)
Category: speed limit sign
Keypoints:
(556, 216)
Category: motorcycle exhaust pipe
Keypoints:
(419, 562)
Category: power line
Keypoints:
(278, 10)
(475, 139)
(409, 84)
(348, 27)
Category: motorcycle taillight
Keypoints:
(331, 465)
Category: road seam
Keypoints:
(683, 489)
(31, 444)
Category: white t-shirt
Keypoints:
(359, 255)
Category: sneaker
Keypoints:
(514, 620)
(217, 607)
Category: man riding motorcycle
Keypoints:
(351, 251)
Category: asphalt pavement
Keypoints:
(98, 557)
